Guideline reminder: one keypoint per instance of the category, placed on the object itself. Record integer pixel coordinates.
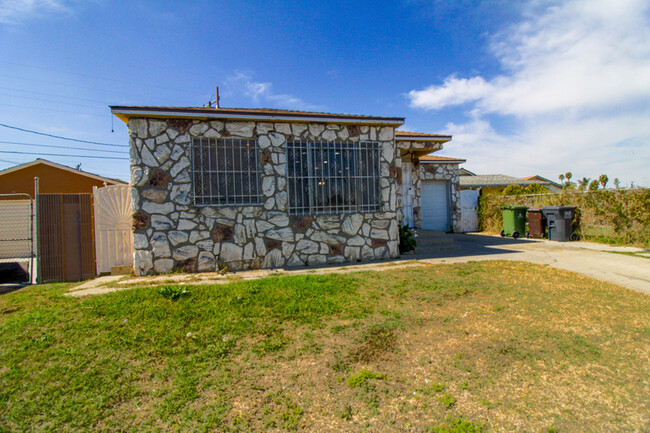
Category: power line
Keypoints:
(56, 83)
(52, 109)
(55, 95)
(62, 138)
(116, 80)
(52, 101)
(10, 162)
(20, 143)
(59, 154)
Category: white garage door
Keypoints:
(435, 205)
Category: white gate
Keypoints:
(113, 236)
(469, 210)
(407, 193)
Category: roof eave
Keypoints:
(452, 161)
(124, 113)
(437, 139)
(28, 164)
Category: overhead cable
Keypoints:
(20, 143)
(62, 138)
(59, 154)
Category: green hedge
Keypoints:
(620, 216)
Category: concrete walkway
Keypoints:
(595, 260)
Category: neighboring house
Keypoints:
(547, 183)
(465, 172)
(260, 188)
(53, 179)
(59, 226)
(491, 183)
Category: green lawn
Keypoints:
(483, 346)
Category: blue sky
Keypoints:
(537, 87)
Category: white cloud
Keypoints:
(262, 94)
(454, 91)
(13, 11)
(576, 84)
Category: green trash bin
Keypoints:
(514, 221)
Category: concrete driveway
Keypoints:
(594, 260)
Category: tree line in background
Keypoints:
(586, 184)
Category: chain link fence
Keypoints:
(17, 238)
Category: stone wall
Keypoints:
(438, 171)
(171, 233)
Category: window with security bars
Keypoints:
(226, 171)
(333, 177)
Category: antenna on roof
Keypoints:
(216, 101)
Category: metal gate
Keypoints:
(66, 247)
(113, 225)
(469, 210)
(407, 193)
(17, 238)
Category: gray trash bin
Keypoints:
(558, 220)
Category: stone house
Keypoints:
(261, 188)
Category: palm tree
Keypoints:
(603, 179)
(583, 183)
(568, 176)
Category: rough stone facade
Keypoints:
(406, 146)
(437, 171)
(409, 151)
(171, 233)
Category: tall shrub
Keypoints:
(616, 216)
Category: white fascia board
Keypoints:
(420, 138)
(460, 161)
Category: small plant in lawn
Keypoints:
(362, 377)
(291, 415)
(346, 412)
(173, 292)
(407, 237)
(458, 425)
(447, 400)
(486, 403)
(431, 388)
(223, 268)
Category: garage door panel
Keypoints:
(435, 205)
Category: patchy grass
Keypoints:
(362, 377)
(474, 347)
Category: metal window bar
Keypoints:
(220, 173)
(333, 177)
